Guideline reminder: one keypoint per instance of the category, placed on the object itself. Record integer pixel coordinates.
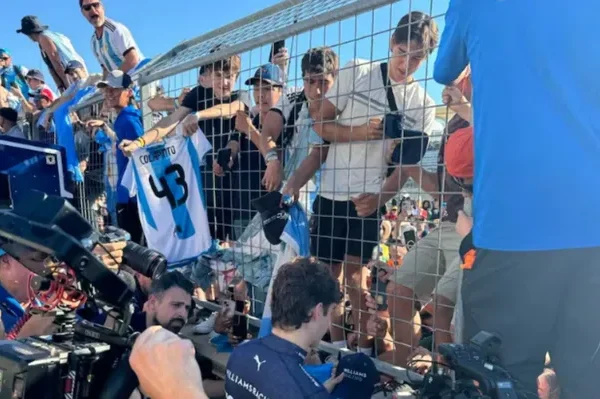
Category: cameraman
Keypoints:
(14, 291)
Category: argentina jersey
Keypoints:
(116, 41)
(166, 179)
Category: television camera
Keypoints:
(471, 370)
(82, 359)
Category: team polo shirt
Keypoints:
(536, 129)
(111, 48)
(270, 368)
(166, 178)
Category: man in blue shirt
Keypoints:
(534, 99)
(118, 95)
(11, 74)
(304, 293)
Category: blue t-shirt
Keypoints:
(537, 132)
(11, 309)
(270, 368)
(128, 126)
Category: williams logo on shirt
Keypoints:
(245, 385)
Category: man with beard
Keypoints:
(169, 304)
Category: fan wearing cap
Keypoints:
(37, 83)
(118, 95)
(245, 141)
(78, 78)
(56, 49)
(45, 125)
(304, 295)
(8, 123)
(12, 74)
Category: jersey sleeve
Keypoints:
(123, 40)
(201, 144)
(128, 180)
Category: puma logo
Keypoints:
(258, 362)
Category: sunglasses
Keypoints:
(4, 58)
(88, 7)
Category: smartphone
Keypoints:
(410, 239)
(240, 324)
(223, 158)
(378, 291)
(278, 45)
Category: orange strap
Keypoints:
(469, 259)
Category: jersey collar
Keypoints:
(284, 346)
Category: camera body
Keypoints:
(477, 361)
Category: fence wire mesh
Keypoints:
(404, 252)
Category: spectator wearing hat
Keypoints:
(8, 123)
(37, 83)
(118, 94)
(78, 78)
(56, 49)
(46, 130)
(12, 74)
(245, 142)
(112, 43)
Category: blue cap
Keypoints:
(269, 74)
(4, 51)
(72, 65)
(360, 377)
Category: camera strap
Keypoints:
(388, 87)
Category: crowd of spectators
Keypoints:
(242, 184)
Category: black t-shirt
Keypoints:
(452, 193)
(247, 174)
(216, 130)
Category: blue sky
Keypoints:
(157, 28)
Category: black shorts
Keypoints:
(337, 230)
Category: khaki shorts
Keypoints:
(433, 265)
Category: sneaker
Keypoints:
(206, 326)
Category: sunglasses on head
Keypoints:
(88, 7)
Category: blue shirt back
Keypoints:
(537, 131)
(128, 126)
(270, 368)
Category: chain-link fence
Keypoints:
(403, 250)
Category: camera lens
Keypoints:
(145, 261)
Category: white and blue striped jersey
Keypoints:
(66, 51)
(116, 41)
(167, 181)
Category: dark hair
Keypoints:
(170, 280)
(420, 28)
(301, 285)
(428, 204)
(320, 60)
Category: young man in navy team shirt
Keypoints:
(304, 294)
(118, 94)
(531, 287)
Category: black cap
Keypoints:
(9, 114)
(31, 24)
(274, 216)
(72, 65)
(36, 74)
